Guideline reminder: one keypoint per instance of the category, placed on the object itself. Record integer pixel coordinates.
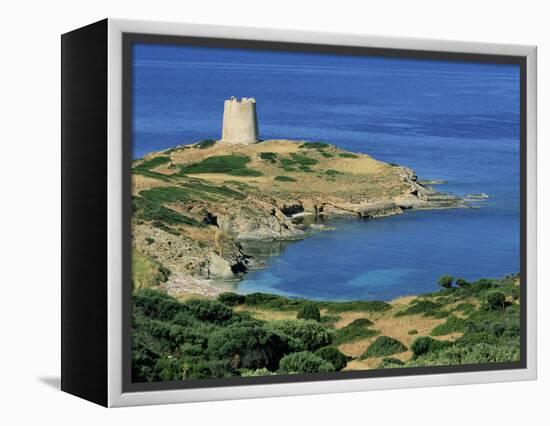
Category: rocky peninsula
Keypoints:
(194, 205)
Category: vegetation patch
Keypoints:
(228, 164)
(354, 331)
(152, 163)
(152, 211)
(269, 156)
(334, 356)
(304, 362)
(147, 272)
(347, 155)
(391, 363)
(314, 145)
(285, 179)
(332, 172)
(384, 346)
(417, 307)
(452, 325)
(355, 306)
(309, 312)
(303, 160)
(205, 144)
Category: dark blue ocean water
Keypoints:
(447, 120)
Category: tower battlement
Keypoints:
(240, 123)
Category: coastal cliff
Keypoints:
(193, 205)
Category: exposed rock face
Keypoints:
(220, 210)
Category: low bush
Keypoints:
(314, 145)
(391, 363)
(152, 163)
(496, 299)
(384, 346)
(355, 330)
(285, 179)
(334, 356)
(229, 164)
(209, 310)
(445, 281)
(205, 144)
(425, 344)
(356, 306)
(452, 325)
(412, 332)
(475, 354)
(269, 156)
(311, 334)
(347, 155)
(417, 307)
(232, 299)
(309, 312)
(304, 362)
(249, 345)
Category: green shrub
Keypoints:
(496, 299)
(304, 362)
(425, 344)
(327, 154)
(384, 346)
(355, 306)
(269, 156)
(355, 330)
(205, 143)
(314, 145)
(332, 172)
(460, 282)
(412, 332)
(452, 325)
(257, 373)
(303, 160)
(249, 345)
(445, 281)
(311, 334)
(309, 312)
(209, 310)
(330, 319)
(475, 354)
(334, 356)
(417, 307)
(348, 155)
(285, 179)
(232, 299)
(391, 363)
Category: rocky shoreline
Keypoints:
(212, 250)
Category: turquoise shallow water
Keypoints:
(453, 121)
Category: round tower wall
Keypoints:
(240, 123)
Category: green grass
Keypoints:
(384, 346)
(285, 179)
(165, 194)
(233, 164)
(356, 330)
(152, 211)
(152, 163)
(327, 154)
(347, 155)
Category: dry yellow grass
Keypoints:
(266, 315)
(140, 183)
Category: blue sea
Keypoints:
(451, 121)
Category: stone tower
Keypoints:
(240, 124)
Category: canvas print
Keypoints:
(313, 213)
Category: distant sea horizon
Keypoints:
(451, 121)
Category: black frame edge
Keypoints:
(84, 212)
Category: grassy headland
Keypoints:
(194, 204)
